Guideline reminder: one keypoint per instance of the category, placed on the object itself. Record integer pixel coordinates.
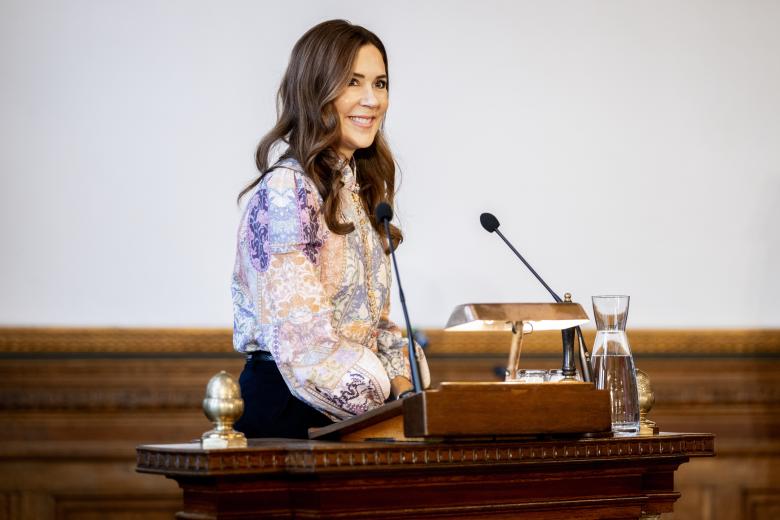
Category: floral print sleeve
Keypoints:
(281, 306)
(316, 300)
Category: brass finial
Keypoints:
(646, 401)
(567, 297)
(223, 406)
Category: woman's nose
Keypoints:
(369, 98)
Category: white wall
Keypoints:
(626, 147)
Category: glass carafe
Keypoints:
(613, 365)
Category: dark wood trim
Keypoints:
(531, 479)
(285, 456)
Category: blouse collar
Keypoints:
(349, 174)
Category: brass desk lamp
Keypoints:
(521, 319)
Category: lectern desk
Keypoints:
(584, 478)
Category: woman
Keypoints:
(311, 286)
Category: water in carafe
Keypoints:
(613, 365)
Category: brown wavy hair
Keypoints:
(307, 122)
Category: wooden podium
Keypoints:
(562, 478)
(462, 450)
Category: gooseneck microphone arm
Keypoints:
(555, 296)
(490, 223)
(384, 214)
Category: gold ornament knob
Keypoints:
(223, 406)
(646, 401)
(567, 297)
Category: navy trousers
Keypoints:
(270, 410)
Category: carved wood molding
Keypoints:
(680, 342)
(135, 396)
(96, 399)
(309, 457)
(114, 340)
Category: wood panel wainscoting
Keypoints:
(75, 403)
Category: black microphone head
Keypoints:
(489, 222)
(383, 212)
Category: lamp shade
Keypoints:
(501, 316)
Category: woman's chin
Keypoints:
(358, 144)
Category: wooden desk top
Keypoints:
(268, 456)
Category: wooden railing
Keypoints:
(74, 404)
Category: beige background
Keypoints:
(626, 147)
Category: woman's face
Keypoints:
(362, 104)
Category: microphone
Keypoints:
(384, 214)
(491, 224)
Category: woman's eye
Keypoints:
(353, 82)
(381, 83)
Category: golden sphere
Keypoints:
(223, 386)
(223, 403)
(646, 396)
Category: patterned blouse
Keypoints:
(316, 300)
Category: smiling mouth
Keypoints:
(363, 122)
